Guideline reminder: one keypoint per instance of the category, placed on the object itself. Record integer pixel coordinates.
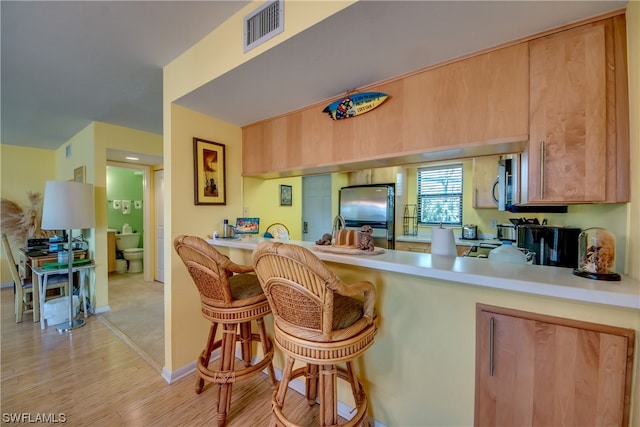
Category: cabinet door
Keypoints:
(567, 153)
(485, 173)
(111, 252)
(540, 370)
(413, 247)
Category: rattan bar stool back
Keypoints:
(231, 296)
(318, 320)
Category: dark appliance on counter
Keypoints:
(506, 188)
(470, 232)
(510, 231)
(371, 205)
(554, 246)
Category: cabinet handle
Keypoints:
(542, 170)
(491, 336)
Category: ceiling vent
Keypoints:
(263, 23)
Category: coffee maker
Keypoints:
(554, 246)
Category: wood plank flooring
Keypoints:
(91, 377)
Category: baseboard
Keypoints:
(103, 309)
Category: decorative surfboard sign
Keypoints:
(354, 105)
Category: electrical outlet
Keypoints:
(494, 223)
(245, 211)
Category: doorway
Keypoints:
(136, 299)
(316, 207)
(145, 228)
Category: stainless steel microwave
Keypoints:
(506, 188)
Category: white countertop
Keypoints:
(556, 282)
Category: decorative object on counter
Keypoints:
(410, 220)
(470, 231)
(597, 255)
(325, 240)
(355, 104)
(286, 195)
(277, 230)
(349, 242)
(247, 226)
(366, 241)
(507, 253)
(209, 173)
(443, 242)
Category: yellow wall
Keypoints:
(185, 329)
(262, 199)
(205, 61)
(23, 170)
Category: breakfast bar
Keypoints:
(421, 369)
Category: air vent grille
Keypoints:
(263, 23)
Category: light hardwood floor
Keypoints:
(91, 377)
(137, 315)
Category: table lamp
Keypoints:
(68, 206)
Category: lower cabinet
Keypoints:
(539, 370)
(413, 247)
(111, 252)
(425, 247)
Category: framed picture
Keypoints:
(80, 174)
(285, 195)
(209, 173)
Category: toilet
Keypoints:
(128, 244)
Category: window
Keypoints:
(440, 195)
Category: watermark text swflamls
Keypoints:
(27, 417)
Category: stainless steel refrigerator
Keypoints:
(371, 205)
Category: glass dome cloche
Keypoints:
(597, 254)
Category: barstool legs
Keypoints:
(205, 356)
(325, 380)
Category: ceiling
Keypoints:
(66, 64)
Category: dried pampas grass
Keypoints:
(20, 225)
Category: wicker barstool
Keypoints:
(231, 296)
(318, 322)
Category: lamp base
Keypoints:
(74, 324)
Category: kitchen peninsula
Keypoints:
(425, 350)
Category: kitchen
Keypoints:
(431, 317)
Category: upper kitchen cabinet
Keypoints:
(578, 149)
(485, 173)
(481, 99)
(464, 108)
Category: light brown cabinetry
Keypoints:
(111, 252)
(424, 247)
(533, 369)
(485, 172)
(579, 142)
(467, 103)
(413, 247)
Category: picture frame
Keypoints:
(209, 172)
(285, 195)
(80, 174)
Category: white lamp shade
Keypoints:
(68, 205)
